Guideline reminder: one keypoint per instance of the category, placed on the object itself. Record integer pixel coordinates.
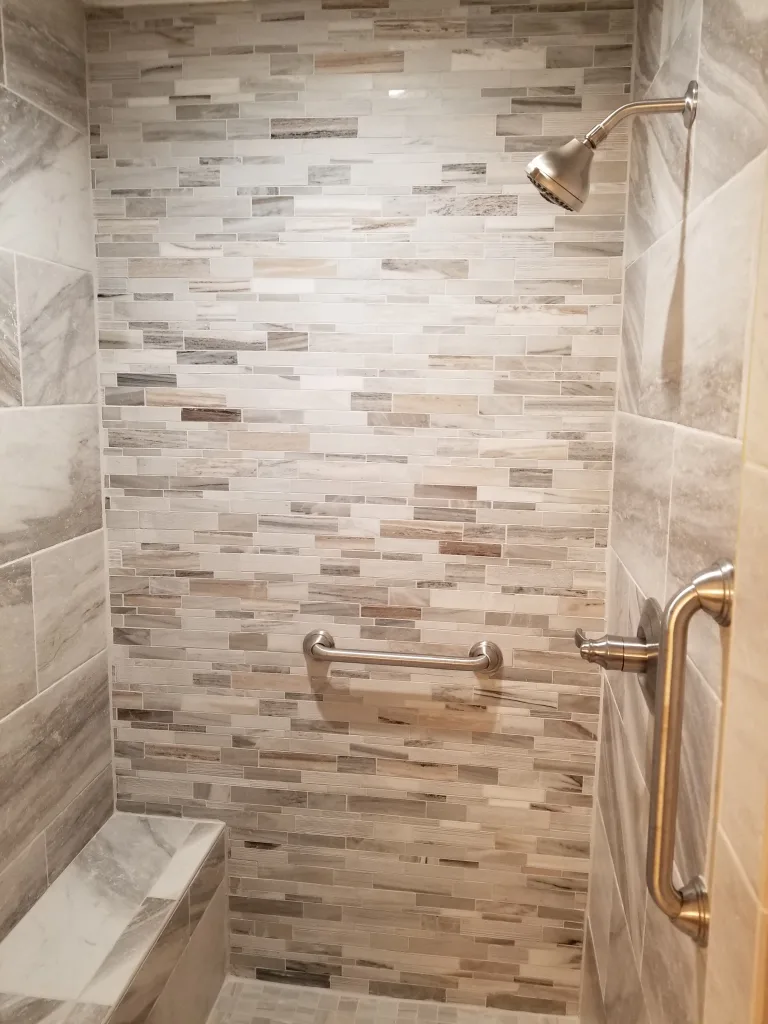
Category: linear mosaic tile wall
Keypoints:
(357, 375)
(56, 786)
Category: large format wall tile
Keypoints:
(70, 606)
(51, 492)
(702, 529)
(641, 499)
(55, 771)
(50, 750)
(45, 207)
(17, 665)
(721, 256)
(10, 368)
(44, 44)
(732, 128)
(57, 330)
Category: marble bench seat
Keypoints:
(142, 903)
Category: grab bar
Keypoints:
(687, 908)
(484, 657)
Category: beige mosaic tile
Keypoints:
(358, 376)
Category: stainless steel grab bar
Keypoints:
(710, 591)
(484, 657)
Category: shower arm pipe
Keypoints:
(685, 105)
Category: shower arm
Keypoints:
(685, 105)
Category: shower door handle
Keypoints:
(710, 591)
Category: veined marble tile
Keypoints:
(188, 858)
(50, 464)
(732, 120)
(17, 666)
(125, 958)
(641, 498)
(57, 334)
(70, 606)
(66, 836)
(56, 954)
(49, 750)
(155, 971)
(719, 302)
(45, 205)
(10, 375)
(44, 42)
(19, 1009)
(22, 882)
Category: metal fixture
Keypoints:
(562, 175)
(710, 591)
(484, 657)
(628, 654)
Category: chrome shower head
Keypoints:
(562, 175)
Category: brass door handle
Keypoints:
(688, 908)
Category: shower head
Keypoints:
(562, 175)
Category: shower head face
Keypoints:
(562, 175)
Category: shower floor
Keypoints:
(258, 1002)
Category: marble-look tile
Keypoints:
(208, 879)
(16, 1009)
(623, 801)
(648, 48)
(624, 999)
(744, 792)
(54, 954)
(70, 606)
(66, 836)
(592, 1009)
(45, 203)
(194, 985)
(57, 332)
(148, 983)
(49, 750)
(44, 42)
(641, 491)
(660, 169)
(17, 667)
(602, 883)
(699, 294)
(632, 333)
(733, 940)
(702, 528)
(10, 364)
(190, 857)
(126, 956)
(671, 963)
(51, 478)
(22, 882)
(244, 1000)
(720, 269)
(732, 121)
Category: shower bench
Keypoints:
(132, 931)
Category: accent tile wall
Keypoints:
(693, 229)
(357, 375)
(55, 746)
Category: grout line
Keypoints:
(53, 547)
(52, 687)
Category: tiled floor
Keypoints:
(258, 1002)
